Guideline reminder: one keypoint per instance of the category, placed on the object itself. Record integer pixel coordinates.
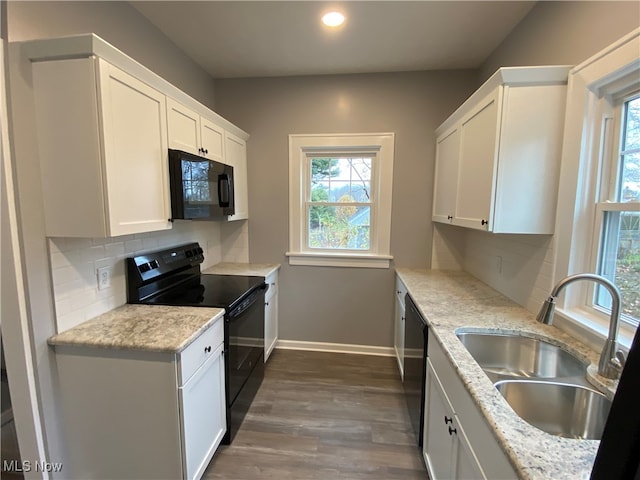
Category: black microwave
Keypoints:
(201, 189)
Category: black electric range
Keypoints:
(173, 277)
(208, 290)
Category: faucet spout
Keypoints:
(611, 359)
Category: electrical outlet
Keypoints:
(104, 278)
(499, 264)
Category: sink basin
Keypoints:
(565, 410)
(506, 356)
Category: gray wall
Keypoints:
(124, 27)
(341, 305)
(564, 33)
(119, 24)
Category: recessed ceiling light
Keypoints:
(333, 19)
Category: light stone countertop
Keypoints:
(153, 328)
(250, 269)
(451, 300)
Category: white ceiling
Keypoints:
(264, 38)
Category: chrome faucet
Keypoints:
(611, 359)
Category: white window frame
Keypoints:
(593, 88)
(378, 145)
(607, 189)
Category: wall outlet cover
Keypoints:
(104, 278)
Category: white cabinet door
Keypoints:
(478, 137)
(190, 132)
(438, 443)
(271, 315)
(102, 141)
(446, 175)
(446, 449)
(184, 127)
(212, 140)
(135, 153)
(203, 414)
(236, 156)
(466, 465)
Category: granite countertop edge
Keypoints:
(534, 454)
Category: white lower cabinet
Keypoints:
(202, 414)
(140, 414)
(446, 450)
(458, 443)
(399, 324)
(271, 315)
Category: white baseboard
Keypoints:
(335, 347)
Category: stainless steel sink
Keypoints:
(570, 411)
(504, 356)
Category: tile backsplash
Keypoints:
(75, 262)
(518, 266)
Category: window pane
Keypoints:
(629, 187)
(345, 179)
(632, 125)
(620, 261)
(340, 191)
(319, 193)
(322, 169)
(335, 227)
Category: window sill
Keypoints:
(324, 259)
(592, 329)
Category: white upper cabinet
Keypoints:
(190, 132)
(102, 141)
(498, 155)
(236, 156)
(104, 124)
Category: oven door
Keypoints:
(244, 338)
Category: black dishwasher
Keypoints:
(415, 365)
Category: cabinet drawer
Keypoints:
(192, 357)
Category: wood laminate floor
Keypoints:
(324, 416)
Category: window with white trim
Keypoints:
(598, 204)
(340, 190)
(616, 254)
